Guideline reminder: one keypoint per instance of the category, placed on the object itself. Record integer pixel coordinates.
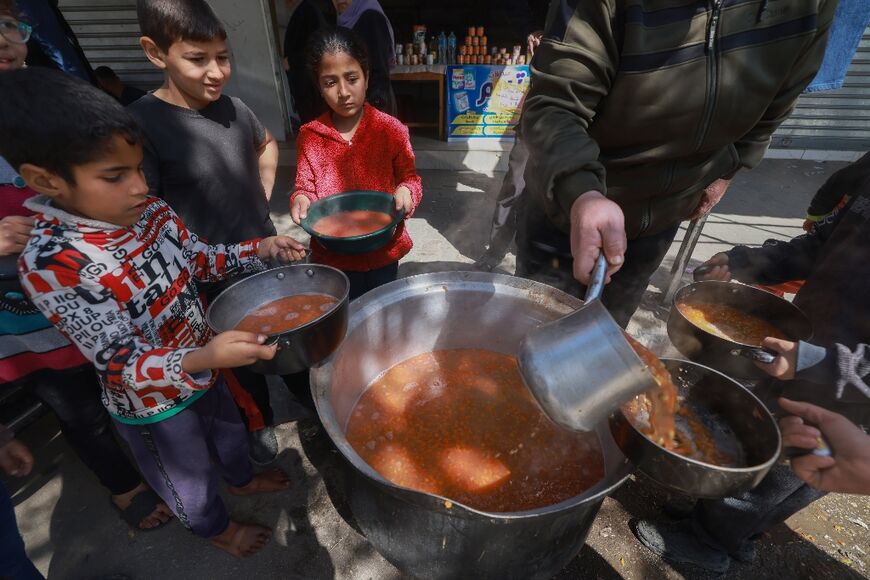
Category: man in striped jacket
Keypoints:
(639, 114)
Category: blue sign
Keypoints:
(484, 102)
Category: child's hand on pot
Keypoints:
(716, 268)
(783, 366)
(228, 350)
(848, 470)
(299, 208)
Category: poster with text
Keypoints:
(484, 102)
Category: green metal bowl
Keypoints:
(350, 201)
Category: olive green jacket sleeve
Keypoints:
(571, 72)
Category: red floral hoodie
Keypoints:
(379, 158)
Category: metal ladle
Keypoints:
(581, 368)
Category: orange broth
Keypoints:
(346, 224)
(286, 313)
(729, 323)
(462, 424)
(659, 415)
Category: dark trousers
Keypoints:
(544, 254)
(14, 563)
(183, 458)
(250, 390)
(727, 523)
(75, 399)
(508, 204)
(362, 282)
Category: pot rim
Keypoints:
(396, 218)
(710, 466)
(681, 293)
(333, 310)
(435, 281)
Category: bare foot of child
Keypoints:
(242, 540)
(149, 512)
(271, 480)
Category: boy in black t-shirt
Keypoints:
(209, 157)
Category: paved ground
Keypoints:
(73, 533)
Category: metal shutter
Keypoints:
(109, 34)
(833, 120)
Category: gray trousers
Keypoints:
(183, 458)
(508, 204)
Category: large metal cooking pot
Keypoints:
(732, 358)
(305, 345)
(421, 534)
(730, 412)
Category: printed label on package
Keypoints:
(485, 101)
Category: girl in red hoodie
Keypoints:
(353, 146)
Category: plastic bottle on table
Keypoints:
(442, 48)
(451, 48)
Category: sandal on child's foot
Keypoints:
(144, 511)
(271, 480)
(242, 540)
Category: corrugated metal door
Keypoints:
(833, 120)
(109, 34)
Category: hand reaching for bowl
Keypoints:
(716, 268)
(848, 470)
(283, 249)
(299, 208)
(404, 201)
(16, 459)
(229, 350)
(14, 233)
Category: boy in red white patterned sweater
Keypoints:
(115, 271)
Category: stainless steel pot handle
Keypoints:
(757, 354)
(272, 264)
(281, 341)
(596, 283)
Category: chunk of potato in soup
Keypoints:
(461, 424)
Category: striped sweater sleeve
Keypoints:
(102, 329)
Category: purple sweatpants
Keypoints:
(183, 457)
